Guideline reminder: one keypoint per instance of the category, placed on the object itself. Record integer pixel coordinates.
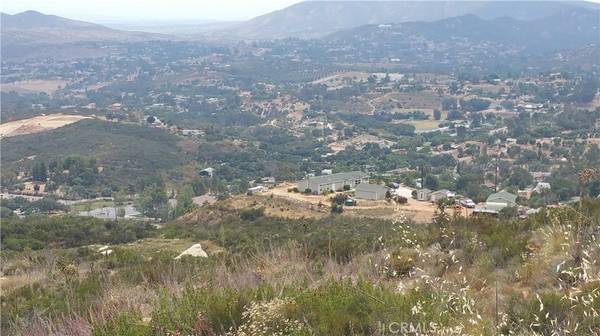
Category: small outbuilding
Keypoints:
(441, 195)
(423, 194)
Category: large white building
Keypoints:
(333, 182)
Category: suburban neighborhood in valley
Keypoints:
(327, 168)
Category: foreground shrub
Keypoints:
(128, 324)
(270, 318)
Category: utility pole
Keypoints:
(497, 319)
(496, 176)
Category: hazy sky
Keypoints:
(148, 10)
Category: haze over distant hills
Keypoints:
(32, 28)
(550, 24)
(313, 19)
(567, 29)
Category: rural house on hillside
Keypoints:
(496, 202)
(333, 182)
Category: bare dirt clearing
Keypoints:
(421, 212)
(38, 124)
(281, 206)
(37, 85)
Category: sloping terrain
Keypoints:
(38, 124)
(32, 28)
(565, 30)
(126, 151)
(313, 19)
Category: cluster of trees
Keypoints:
(154, 202)
(474, 105)
(38, 232)
(44, 205)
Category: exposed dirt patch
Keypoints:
(48, 86)
(421, 212)
(38, 124)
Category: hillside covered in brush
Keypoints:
(336, 275)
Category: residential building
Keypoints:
(542, 186)
(496, 202)
(423, 194)
(370, 191)
(333, 182)
(504, 198)
(441, 195)
(403, 191)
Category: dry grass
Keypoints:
(457, 280)
(38, 124)
(423, 125)
(279, 203)
(37, 85)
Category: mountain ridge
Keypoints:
(569, 29)
(35, 28)
(315, 19)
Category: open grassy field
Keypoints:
(87, 206)
(36, 85)
(38, 124)
(409, 101)
(423, 125)
(279, 206)
(339, 79)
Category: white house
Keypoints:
(542, 186)
(403, 191)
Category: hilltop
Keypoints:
(314, 19)
(33, 28)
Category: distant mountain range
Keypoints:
(34, 28)
(571, 28)
(314, 19)
(549, 23)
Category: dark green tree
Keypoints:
(39, 171)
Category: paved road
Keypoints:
(32, 198)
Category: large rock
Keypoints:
(195, 250)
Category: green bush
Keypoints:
(203, 311)
(125, 324)
(252, 214)
(38, 232)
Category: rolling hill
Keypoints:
(314, 19)
(34, 28)
(126, 151)
(572, 28)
